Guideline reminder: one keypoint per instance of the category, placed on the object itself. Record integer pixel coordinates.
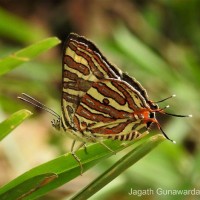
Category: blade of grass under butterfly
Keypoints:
(124, 163)
(28, 187)
(65, 168)
(12, 122)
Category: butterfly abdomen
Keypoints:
(127, 137)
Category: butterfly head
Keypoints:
(56, 123)
(150, 116)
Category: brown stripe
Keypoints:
(134, 83)
(143, 129)
(64, 121)
(99, 59)
(79, 85)
(90, 45)
(123, 88)
(114, 130)
(70, 75)
(69, 61)
(91, 64)
(107, 109)
(123, 137)
(135, 126)
(133, 135)
(83, 112)
(71, 98)
(77, 124)
(128, 137)
(108, 92)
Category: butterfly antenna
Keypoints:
(171, 114)
(175, 115)
(162, 109)
(165, 134)
(172, 96)
(159, 127)
(38, 104)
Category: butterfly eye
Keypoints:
(152, 115)
(56, 124)
(106, 101)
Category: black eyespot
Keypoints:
(106, 101)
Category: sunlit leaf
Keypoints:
(12, 122)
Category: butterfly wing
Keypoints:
(85, 72)
(83, 64)
(109, 108)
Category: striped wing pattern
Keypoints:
(98, 100)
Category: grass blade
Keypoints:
(10, 62)
(29, 186)
(64, 167)
(12, 122)
(124, 163)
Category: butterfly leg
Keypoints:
(100, 142)
(85, 148)
(74, 154)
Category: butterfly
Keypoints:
(99, 101)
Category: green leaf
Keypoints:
(29, 186)
(10, 62)
(125, 162)
(65, 167)
(12, 122)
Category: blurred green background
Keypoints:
(157, 42)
